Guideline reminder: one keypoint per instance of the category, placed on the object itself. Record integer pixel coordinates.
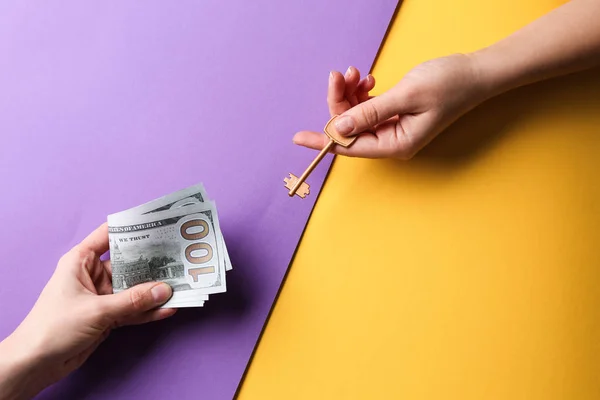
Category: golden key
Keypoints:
(297, 185)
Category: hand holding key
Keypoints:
(294, 183)
(404, 119)
(344, 92)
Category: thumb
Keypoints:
(367, 115)
(138, 299)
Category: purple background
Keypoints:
(106, 105)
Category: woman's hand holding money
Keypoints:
(73, 315)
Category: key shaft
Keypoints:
(311, 167)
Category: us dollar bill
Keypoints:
(192, 195)
(180, 246)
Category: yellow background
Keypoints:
(470, 272)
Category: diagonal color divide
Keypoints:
(106, 105)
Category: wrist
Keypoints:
(493, 77)
(21, 372)
(504, 66)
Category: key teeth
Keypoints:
(289, 181)
(302, 191)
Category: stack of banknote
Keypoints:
(175, 239)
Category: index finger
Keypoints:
(97, 241)
(383, 144)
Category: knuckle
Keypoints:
(330, 99)
(71, 259)
(82, 254)
(78, 251)
(369, 113)
(138, 299)
(87, 262)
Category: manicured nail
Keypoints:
(344, 125)
(161, 293)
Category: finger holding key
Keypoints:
(343, 93)
(293, 183)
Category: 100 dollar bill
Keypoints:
(192, 195)
(181, 246)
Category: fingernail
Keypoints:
(330, 76)
(348, 71)
(344, 125)
(161, 293)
